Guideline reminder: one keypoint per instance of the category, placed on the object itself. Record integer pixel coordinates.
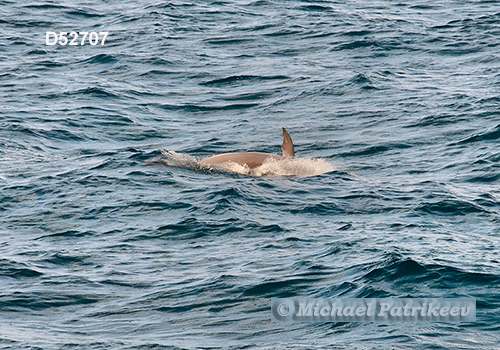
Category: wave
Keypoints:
(289, 167)
(17, 270)
(491, 134)
(398, 273)
(231, 80)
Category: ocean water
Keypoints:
(110, 238)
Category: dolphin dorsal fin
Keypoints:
(287, 145)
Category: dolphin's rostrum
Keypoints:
(254, 159)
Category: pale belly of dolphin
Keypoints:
(250, 159)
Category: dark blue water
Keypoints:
(393, 108)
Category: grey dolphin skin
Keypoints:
(254, 159)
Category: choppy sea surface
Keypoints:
(110, 239)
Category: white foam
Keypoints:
(178, 159)
(271, 167)
(297, 167)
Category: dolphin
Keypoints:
(254, 159)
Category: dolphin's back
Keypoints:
(250, 159)
(253, 159)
